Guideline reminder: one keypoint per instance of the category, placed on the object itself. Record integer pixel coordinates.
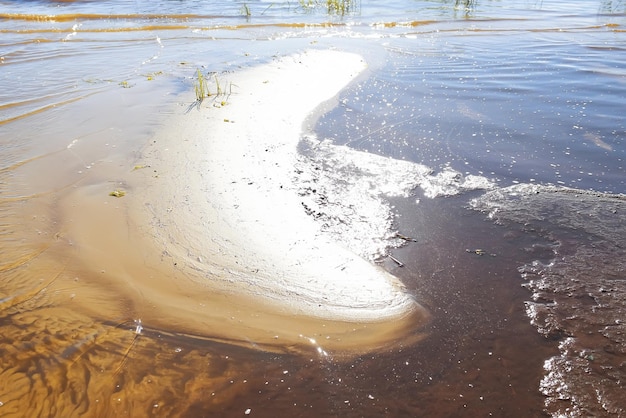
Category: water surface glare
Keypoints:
(479, 159)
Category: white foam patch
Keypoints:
(347, 192)
(449, 182)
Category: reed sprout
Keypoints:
(245, 10)
(340, 7)
(336, 7)
(203, 88)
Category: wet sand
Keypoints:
(211, 229)
(114, 306)
(478, 359)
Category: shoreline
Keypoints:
(211, 239)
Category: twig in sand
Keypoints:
(138, 329)
(404, 237)
(398, 262)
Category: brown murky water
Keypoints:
(87, 331)
(80, 336)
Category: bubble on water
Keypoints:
(138, 326)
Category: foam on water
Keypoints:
(578, 297)
(347, 191)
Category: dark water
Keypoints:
(525, 283)
(578, 295)
(524, 108)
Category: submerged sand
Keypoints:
(212, 238)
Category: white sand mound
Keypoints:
(227, 205)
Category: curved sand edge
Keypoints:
(237, 211)
(211, 240)
(228, 193)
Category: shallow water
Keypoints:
(577, 296)
(522, 93)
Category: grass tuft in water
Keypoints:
(333, 7)
(218, 87)
(201, 86)
(245, 10)
(203, 89)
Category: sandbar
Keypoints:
(216, 242)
